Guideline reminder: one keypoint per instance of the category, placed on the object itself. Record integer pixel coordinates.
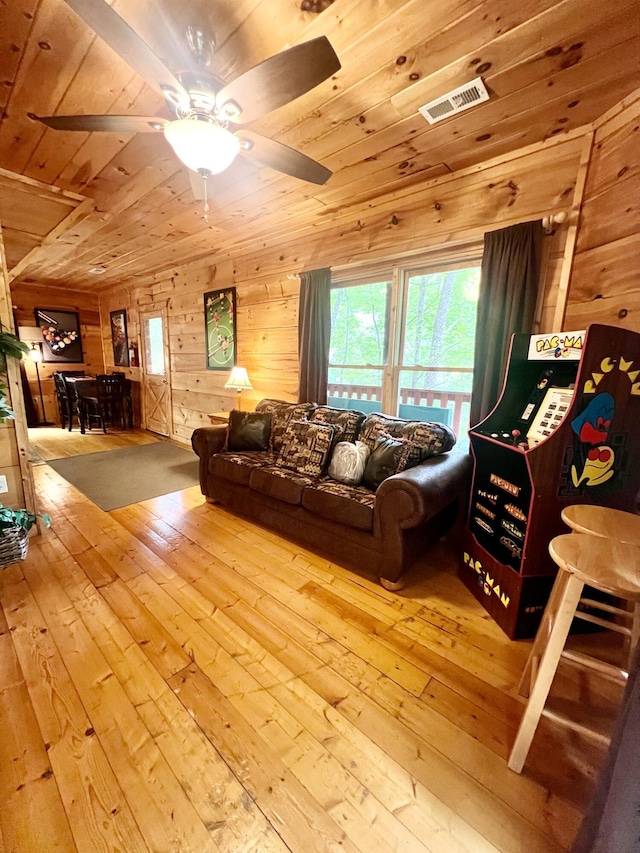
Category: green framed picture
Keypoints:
(220, 328)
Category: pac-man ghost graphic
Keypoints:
(592, 429)
(598, 467)
(593, 423)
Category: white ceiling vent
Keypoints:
(472, 93)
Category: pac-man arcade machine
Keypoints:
(565, 430)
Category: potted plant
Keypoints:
(9, 346)
(15, 525)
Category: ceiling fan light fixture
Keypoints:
(202, 145)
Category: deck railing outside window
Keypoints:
(457, 402)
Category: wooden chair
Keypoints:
(127, 399)
(605, 564)
(67, 398)
(107, 405)
(62, 399)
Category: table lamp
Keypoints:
(240, 381)
(33, 335)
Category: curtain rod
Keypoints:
(553, 219)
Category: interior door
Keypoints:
(156, 386)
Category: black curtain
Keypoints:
(314, 335)
(507, 303)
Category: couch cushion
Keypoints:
(280, 483)
(346, 422)
(388, 457)
(249, 431)
(237, 467)
(282, 412)
(351, 505)
(306, 446)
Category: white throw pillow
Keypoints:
(348, 462)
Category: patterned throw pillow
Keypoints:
(429, 439)
(281, 413)
(389, 456)
(376, 425)
(348, 422)
(305, 447)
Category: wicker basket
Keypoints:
(14, 545)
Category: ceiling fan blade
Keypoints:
(278, 80)
(268, 152)
(116, 32)
(108, 124)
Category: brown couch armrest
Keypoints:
(414, 496)
(205, 442)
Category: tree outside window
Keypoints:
(433, 341)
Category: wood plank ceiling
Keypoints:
(550, 67)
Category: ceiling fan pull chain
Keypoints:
(206, 200)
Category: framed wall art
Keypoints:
(220, 328)
(119, 339)
(61, 341)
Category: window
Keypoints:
(154, 340)
(402, 341)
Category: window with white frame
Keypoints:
(402, 340)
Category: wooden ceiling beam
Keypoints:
(39, 254)
(541, 56)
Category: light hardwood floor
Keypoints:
(175, 679)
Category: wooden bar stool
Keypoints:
(603, 521)
(607, 565)
(612, 524)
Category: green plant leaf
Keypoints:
(10, 518)
(11, 346)
(5, 410)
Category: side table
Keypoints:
(219, 417)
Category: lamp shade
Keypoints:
(202, 144)
(30, 334)
(239, 380)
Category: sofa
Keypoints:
(276, 467)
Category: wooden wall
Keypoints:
(529, 184)
(14, 442)
(605, 283)
(195, 390)
(25, 298)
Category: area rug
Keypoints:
(115, 478)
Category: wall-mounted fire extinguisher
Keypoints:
(133, 354)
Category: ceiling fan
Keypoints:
(204, 106)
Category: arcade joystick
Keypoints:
(522, 443)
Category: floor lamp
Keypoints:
(33, 335)
(240, 381)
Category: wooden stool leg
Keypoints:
(543, 633)
(548, 665)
